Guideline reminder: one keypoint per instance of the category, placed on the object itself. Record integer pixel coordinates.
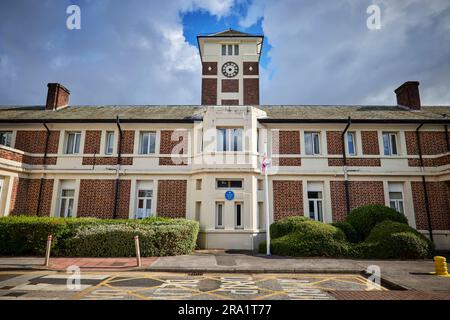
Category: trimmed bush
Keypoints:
(285, 226)
(348, 230)
(364, 218)
(390, 239)
(96, 237)
(309, 238)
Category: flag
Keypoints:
(265, 164)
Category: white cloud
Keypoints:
(323, 53)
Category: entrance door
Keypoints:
(315, 205)
(66, 205)
(144, 207)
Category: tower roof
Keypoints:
(229, 33)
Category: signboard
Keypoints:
(229, 195)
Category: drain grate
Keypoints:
(196, 274)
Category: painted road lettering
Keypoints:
(301, 290)
(243, 285)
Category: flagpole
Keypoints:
(266, 188)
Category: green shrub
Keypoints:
(398, 240)
(23, 235)
(285, 226)
(118, 240)
(364, 218)
(96, 237)
(348, 230)
(309, 238)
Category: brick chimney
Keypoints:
(57, 96)
(408, 95)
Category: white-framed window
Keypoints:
(220, 215)
(239, 215)
(312, 143)
(66, 203)
(396, 196)
(229, 139)
(351, 143)
(236, 49)
(73, 140)
(315, 200)
(390, 143)
(224, 49)
(5, 138)
(144, 203)
(147, 142)
(230, 49)
(109, 142)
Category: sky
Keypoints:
(145, 52)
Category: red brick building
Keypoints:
(179, 161)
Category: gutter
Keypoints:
(424, 184)
(119, 160)
(344, 158)
(389, 121)
(47, 137)
(187, 120)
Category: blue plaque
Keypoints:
(229, 195)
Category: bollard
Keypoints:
(440, 266)
(47, 251)
(138, 250)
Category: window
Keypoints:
(73, 142)
(315, 205)
(229, 184)
(198, 210)
(312, 143)
(109, 142)
(390, 143)
(230, 49)
(236, 49)
(260, 184)
(238, 215)
(224, 49)
(396, 196)
(144, 205)
(315, 200)
(261, 216)
(351, 143)
(219, 215)
(66, 203)
(198, 184)
(229, 139)
(5, 138)
(147, 142)
(258, 137)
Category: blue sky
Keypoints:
(144, 52)
(202, 22)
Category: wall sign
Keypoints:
(229, 195)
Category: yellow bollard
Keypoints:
(440, 266)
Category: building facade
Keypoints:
(180, 161)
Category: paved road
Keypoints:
(164, 286)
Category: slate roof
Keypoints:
(187, 113)
(230, 33)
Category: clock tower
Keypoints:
(230, 68)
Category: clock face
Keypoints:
(230, 69)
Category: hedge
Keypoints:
(96, 237)
(390, 239)
(285, 226)
(364, 218)
(348, 230)
(308, 238)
